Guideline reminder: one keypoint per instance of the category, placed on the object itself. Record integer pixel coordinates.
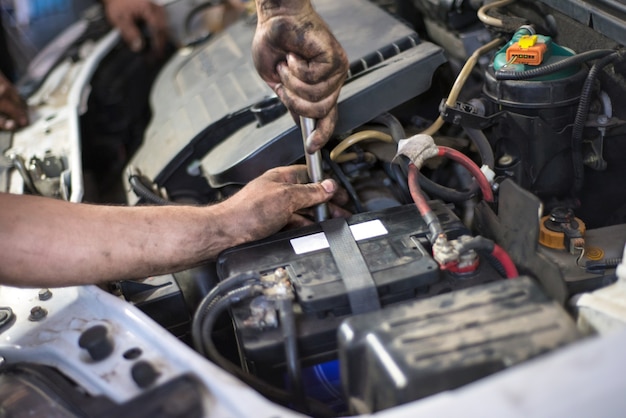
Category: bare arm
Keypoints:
(300, 59)
(46, 242)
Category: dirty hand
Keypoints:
(126, 15)
(13, 112)
(300, 59)
(277, 199)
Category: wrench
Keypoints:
(314, 165)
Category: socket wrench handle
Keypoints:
(314, 165)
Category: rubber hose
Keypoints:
(274, 394)
(292, 358)
(447, 194)
(482, 144)
(144, 192)
(581, 118)
(345, 182)
(395, 127)
(205, 305)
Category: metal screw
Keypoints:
(45, 294)
(37, 313)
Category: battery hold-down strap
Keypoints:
(357, 278)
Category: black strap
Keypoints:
(356, 276)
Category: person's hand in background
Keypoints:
(296, 54)
(127, 15)
(13, 110)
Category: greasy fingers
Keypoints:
(127, 15)
(296, 54)
(323, 130)
(270, 202)
(316, 74)
(13, 111)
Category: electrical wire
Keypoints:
(471, 166)
(554, 67)
(217, 306)
(504, 259)
(422, 205)
(460, 82)
(581, 117)
(345, 182)
(144, 191)
(504, 262)
(219, 290)
(292, 358)
(220, 298)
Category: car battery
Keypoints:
(420, 348)
(393, 248)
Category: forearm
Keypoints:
(45, 241)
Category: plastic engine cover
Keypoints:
(417, 349)
(204, 94)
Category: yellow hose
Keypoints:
(358, 137)
(460, 82)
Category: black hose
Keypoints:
(220, 289)
(397, 172)
(395, 127)
(553, 68)
(292, 358)
(430, 187)
(345, 182)
(581, 118)
(447, 194)
(209, 349)
(144, 191)
(482, 145)
(212, 313)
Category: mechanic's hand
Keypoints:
(275, 200)
(13, 112)
(126, 15)
(300, 59)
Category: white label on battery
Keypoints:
(306, 244)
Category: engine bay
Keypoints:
(481, 147)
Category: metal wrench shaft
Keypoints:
(314, 165)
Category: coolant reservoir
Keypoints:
(532, 136)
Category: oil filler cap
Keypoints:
(561, 230)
